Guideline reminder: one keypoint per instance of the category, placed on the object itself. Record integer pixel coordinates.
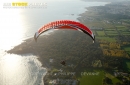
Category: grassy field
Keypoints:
(128, 65)
(107, 39)
(100, 33)
(95, 23)
(121, 28)
(111, 32)
(126, 21)
(126, 48)
(110, 29)
(109, 26)
(114, 79)
(92, 79)
(97, 79)
(125, 33)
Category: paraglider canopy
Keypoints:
(65, 24)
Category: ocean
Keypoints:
(20, 23)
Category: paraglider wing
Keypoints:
(64, 24)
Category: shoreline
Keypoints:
(31, 40)
(44, 59)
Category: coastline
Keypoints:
(20, 48)
(38, 48)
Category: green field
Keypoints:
(125, 33)
(92, 79)
(126, 21)
(100, 33)
(107, 39)
(114, 79)
(121, 28)
(110, 29)
(128, 65)
(127, 48)
(109, 26)
(97, 79)
(111, 32)
(95, 23)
